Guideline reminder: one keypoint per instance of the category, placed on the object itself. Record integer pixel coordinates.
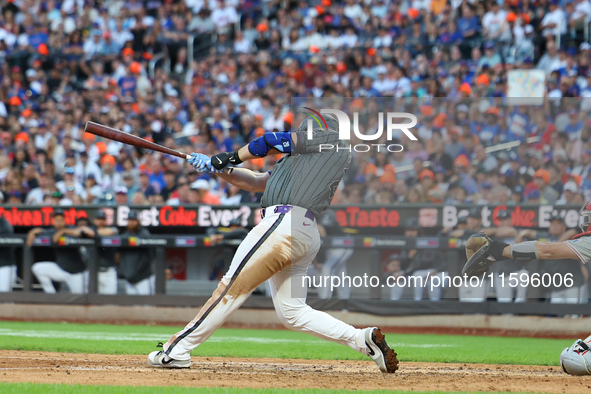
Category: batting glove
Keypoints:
(202, 163)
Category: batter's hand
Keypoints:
(202, 163)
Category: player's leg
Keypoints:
(332, 259)
(295, 314)
(130, 288)
(558, 296)
(144, 286)
(521, 289)
(76, 282)
(473, 292)
(436, 286)
(396, 292)
(7, 278)
(107, 281)
(46, 272)
(420, 283)
(572, 295)
(340, 269)
(288, 289)
(263, 253)
(504, 293)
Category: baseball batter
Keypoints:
(281, 246)
(576, 359)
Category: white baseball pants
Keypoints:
(506, 293)
(433, 291)
(279, 248)
(7, 278)
(48, 271)
(143, 287)
(107, 281)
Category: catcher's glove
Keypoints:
(482, 252)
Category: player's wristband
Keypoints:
(496, 250)
(524, 250)
(234, 158)
(221, 160)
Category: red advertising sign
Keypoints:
(40, 217)
(360, 217)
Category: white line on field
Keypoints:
(121, 336)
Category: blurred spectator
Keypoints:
(200, 193)
(542, 180)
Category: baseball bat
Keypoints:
(129, 139)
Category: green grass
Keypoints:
(135, 339)
(35, 388)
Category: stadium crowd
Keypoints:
(65, 63)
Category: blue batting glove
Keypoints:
(202, 163)
(198, 161)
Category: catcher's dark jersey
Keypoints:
(309, 176)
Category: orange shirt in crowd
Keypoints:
(211, 199)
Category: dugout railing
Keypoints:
(372, 247)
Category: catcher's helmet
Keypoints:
(576, 360)
(585, 212)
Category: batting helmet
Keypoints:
(331, 123)
(576, 360)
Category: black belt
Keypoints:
(285, 209)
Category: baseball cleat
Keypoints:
(158, 359)
(379, 351)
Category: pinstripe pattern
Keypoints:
(305, 177)
(238, 270)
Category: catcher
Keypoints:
(482, 252)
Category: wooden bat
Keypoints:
(129, 139)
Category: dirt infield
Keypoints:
(99, 369)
